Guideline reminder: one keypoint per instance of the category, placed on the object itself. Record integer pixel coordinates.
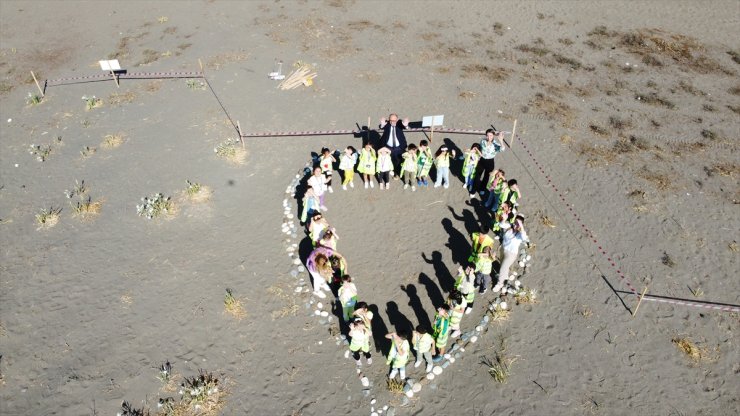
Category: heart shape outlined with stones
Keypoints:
(325, 310)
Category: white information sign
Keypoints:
(111, 65)
(431, 121)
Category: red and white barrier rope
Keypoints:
(125, 75)
(341, 132)
(600, 248)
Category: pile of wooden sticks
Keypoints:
(303, 75)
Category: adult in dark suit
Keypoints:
(393, 138)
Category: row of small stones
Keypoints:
(289, 227)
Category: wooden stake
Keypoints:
(115, 78)
(513, 134)
(241, 138)
(431, 134)
(639, 302)
(201, 66)
(37, 84)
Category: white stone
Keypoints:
(529, 258)
(373, 401)
(437, 370)
(416, 388)
(320, 305)
(365, 382)
(447, 356)
(521, 264)
(473, 339)
(324, 314)
(410, 394)
(452, 359)
(503, 305)
(298, 289)
(297, 261)
(517, 284)
(317, 312)
(478, 328)
(430, 376)
(301, 269)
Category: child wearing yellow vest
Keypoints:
(465, 284)
(424, 345)
(457, 310)
(360, 341)
(366, 167)
(347, 297)
(398, 356)
(441, 331)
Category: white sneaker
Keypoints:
(331, 190)
(366, 185)
(344, 187)
(369, 360)
(447, 185)
(413, 188)
(472, 196)
(455, 333)
(352, 184)
(429, 368)
(406, 186)
(465, 185)
(382, 185)
(417, 364)
(497, 288)
(372, 184)
(436, 185)
(387, 186)
(468, 310)
(358, 362)
(324, 208)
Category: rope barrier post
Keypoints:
(639, 301)
(201, 67)
(513, 132)
(37, 84)
(241, 138)
(115, 78)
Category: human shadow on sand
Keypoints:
(457, 243)
(446, 280)
(435, 295)
(468, 218)
(379, 330)
(397, 319)
(415, 303)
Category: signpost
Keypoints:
(431, 121)
(112, 66)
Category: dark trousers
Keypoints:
(485, 167)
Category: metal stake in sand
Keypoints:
(37, 84)
(112, 66)
(431, 121)
(639, 302)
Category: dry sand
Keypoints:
(90, 307)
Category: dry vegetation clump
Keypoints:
(660, 181)
(121, 98)
(598, 129)
(723, 169)
(216, 62)
(533, 49)
(111, 141)
(691, 349)
(233, 306)
(735, 56)
(652, 98)
(552, 109)
(496, 74)
(684, 50)
(395, 386)
(150, 55)
(595, 155)
(467, 95)
(86, 208)
(619, 123)
(289, 309)
(499, 368)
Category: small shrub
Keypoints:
(48, 218)
(195, 84)
(233, 306)
(41, 152)
(91, 102)
(34, 99)
(128, 410)
(86, 207)
(653, 99)
(201, 390)
(196, 192)
(499, 368)
(230, 151)
(667, 260)
(165, 372)
(689, 347)
(525, 295)
(155, 206)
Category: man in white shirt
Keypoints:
(513, 237)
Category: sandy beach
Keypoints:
(627, 157)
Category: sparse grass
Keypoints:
(92, 102)
(660, 181)
(195, 84)
(496, 74)
(201, 395)
(565, 41)
(231, 151)
(598, 130)
(467, 95)
(545, 220)
(566, 139)
(48, 218)
(585, 311)
(653, 99)
(619, 123)
(111, 141)
(498, 28)
(88, 151)
(534, 50)
(86, 207)
(499, 314)
(733, 247)
(667, 260)
(500, 367)
(395, 386)
(552, 109)
(723, 169)
(121, 98)
(128, 410)
(595, 155)
(42, 152)
(165, 372)
(150, 55)
(735, 56)
(696, 292)
(572, 63)
(233, 306)
(34, 99)
(155, 206)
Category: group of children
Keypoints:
(328, 267)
